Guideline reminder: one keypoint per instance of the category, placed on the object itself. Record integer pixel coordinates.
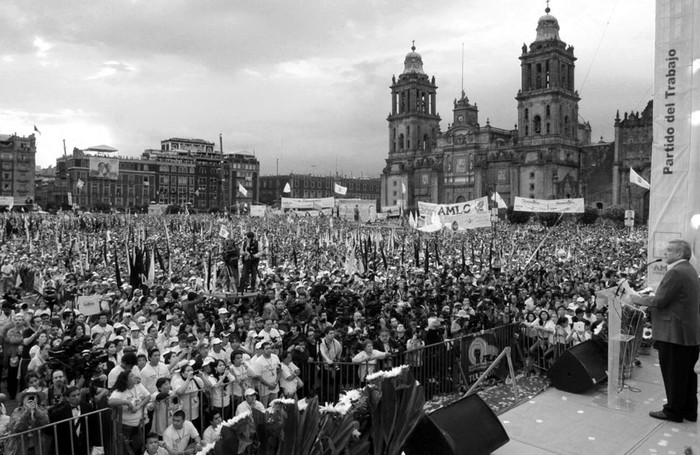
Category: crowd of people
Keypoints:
(150, 315)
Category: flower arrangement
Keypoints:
(382, 415)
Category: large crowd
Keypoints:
(181, 322)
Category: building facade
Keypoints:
(539, 158)
(17, 168)
(183, 172)
(315, 186)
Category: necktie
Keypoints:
(76, 414)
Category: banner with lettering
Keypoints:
(548, 205)
(675, 154)
(289, 203)
(362, 210)
(463, 215)
(257, 211)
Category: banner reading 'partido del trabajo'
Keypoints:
(675, 158)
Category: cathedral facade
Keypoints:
(539, 158)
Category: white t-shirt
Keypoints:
(178, 440)
(150, 375)
(132, 395)
(267, 369)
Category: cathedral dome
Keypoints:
(413, 62)
(547, 27)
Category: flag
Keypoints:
(638, 180)
(342, 190)
(242, 190)
(37, 129)
(287, 188)
(403, 187)
(499, 200)
(80, 184)
(223, 232)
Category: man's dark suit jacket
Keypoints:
(66, 431)
(675, 313)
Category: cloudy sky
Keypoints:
(305, 82)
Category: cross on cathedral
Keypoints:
(547, 10)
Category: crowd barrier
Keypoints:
(98, 430)
(447, 367)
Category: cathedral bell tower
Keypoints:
(414, 126)
(547, 101)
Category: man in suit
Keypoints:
(675, 322)
(80, 428)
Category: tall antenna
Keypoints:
(462, 66)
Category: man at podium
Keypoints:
(675, 318)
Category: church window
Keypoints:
(527, 114)
(538, 124)
(402, 107)
(546, 76)
(547, 111)
(547, 128)
(566, 124)
(527, 130)
(400, 141)
(532, 175)
(532, 187)
(426, 142)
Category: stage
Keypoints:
(556, 422)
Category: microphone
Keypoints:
(634, 275)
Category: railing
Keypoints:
(447, 367)
(96, 429)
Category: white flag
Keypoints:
(340, 189)
(287, 188)
(403, 187)
(242, 190)
(638, 180)
(80, 184)
(499, 200)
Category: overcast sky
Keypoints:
(305, 82)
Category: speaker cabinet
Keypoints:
(465, 427)
(580, 368)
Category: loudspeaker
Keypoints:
(580, 368)
(464, 427)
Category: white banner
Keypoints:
(675, 158)
(307, 204)
(89, 304)
(463, 215)
(157, 209)
(548, 206)
(7, 201)
(257, 211)
(361, 210)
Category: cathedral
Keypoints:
(540, 157)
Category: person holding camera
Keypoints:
(188, 384)
(29, 414)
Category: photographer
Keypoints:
(29, 414)
(188, 384)
(251, 258)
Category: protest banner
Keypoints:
(89, 304)
(362, 210)
(257, 211)
(548, 206)
(463, 215)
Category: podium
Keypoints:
(625, 326)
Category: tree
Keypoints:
(517, 217)
(589, 215)
(615, 213)
(549, 219)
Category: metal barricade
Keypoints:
(100, 428)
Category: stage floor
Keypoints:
(556, 422)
